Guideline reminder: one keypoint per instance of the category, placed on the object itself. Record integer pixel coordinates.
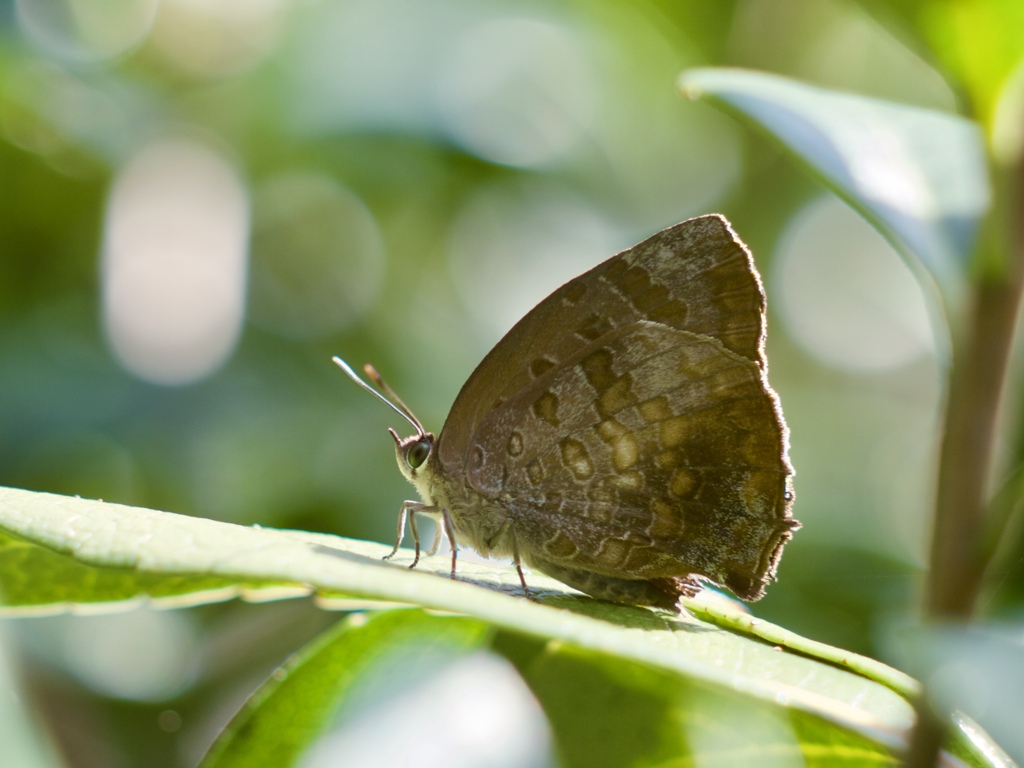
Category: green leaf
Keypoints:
(297, 704)
(633, 709)
(37, 581)
(919, 176)
(978, 668)
(976, 44)
(735, 656)
(979, 43)
(604, 711)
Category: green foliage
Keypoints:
(412, 180)
(685, 685)
(919, 176)
(295, 706)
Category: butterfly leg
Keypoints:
(415, 538)
(408, 514)
(422, 509)
(449, 530)
(437, 540)
(519, 570)
(403, 515)
(522, 580)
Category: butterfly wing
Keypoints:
(695, 276)
(670, 463)
(627, 428)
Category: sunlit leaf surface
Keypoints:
(918, 175)
(147, 553)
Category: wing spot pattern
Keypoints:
(602, 496)
(535, 472)
(668, 459)
(614, 551)
(629, 481)
(656, 409)
(574, 292)
(540, 366)
(561, 547)
(617, 397)
(611, 430)
(594, 327)
(683, 483)
(625, 452)
(634, 281)
(672, 313)
(577, 459)
(665, 521)
(546, 408)
(673, 431)
(597, 367)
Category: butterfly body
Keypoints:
(623, 437)
(478, 521)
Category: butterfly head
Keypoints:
(414, 454)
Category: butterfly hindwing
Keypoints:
(651, 453)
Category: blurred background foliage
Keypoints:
(201, 202)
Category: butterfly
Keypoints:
(622, 438)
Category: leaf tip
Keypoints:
(689, 85)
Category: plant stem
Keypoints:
(965, 462)
(981, 357)
(926, 740)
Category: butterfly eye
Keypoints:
(417, 453)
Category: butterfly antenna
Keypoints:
(401, 408)
(370, 371)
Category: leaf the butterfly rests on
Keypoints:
(622, 437)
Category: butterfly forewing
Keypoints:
(696, 276)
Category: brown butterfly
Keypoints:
(622, 437)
